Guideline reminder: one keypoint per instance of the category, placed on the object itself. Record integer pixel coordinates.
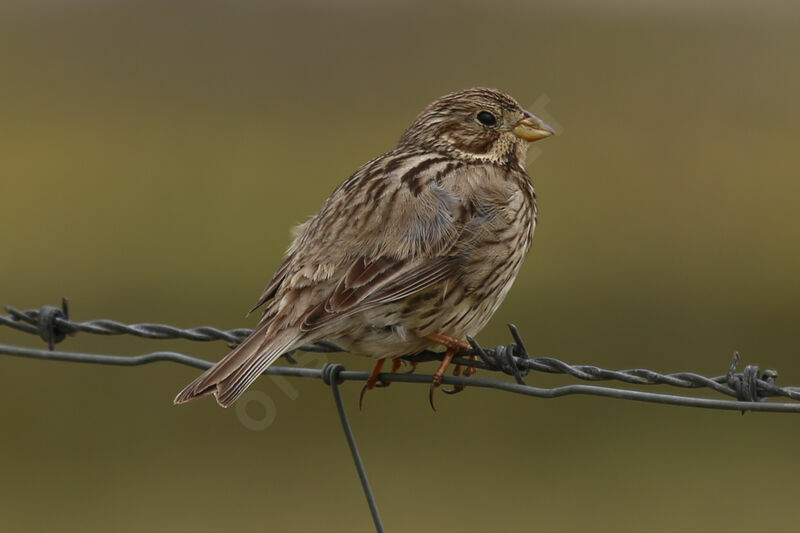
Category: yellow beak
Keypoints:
(532, 128)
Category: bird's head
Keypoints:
(476, 124)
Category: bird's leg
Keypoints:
(453, 346)
(371, 381)
(413, 366)
(396, 364)
(374, 379)
(469, 371)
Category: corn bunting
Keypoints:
(415, 250)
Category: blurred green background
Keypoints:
(153, 156)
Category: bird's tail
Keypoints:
(231, 376)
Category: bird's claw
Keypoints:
(430, 395)
(413, 366)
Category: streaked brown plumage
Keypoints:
(419, 245)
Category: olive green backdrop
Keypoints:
(153, 157)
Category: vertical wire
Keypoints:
(332, 373)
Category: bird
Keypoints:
(414, 251)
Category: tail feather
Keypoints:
(229, 389)
(229, 378)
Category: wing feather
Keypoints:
(396, 280)
(274, 284)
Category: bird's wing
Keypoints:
(397, 226)
(273, 284)
(413, 235)
(373, 281)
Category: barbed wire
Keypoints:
(52, 324)
(751, 387)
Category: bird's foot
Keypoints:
(403, 362)
(468, 371)
(453, 346)
(375, 380)
(396, 364)
(372, 381)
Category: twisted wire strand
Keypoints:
(29, 321)
(750, 387)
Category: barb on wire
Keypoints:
(749, 388)
(53, 325)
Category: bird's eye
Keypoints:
(486, 118)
